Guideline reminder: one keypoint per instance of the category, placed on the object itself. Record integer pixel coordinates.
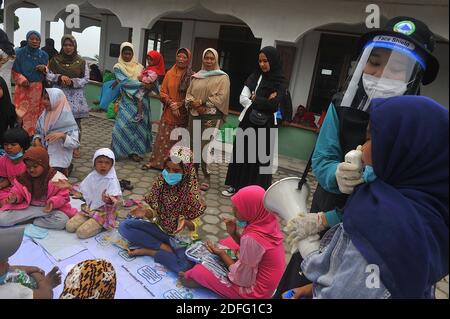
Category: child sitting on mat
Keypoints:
(101, 190)
(34, 195)
(15, 142)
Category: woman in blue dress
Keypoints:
(129, 138)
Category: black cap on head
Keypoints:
(419, 34)
(17, 135)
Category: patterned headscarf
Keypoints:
(182, 199)
(90, 279)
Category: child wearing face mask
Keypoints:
(35, 196)
(256, 273)
(175, 207)
(15, 142)
(102, 193)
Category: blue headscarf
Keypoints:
(400, 221)
(27, 58)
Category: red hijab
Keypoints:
(158, 63)
(262, 224)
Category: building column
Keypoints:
(103, 52)
(67, 30)
(138, 42)
(8, 20)
(45, 29)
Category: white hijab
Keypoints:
(94, 184)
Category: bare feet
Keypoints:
(142, 252)
(189, 283)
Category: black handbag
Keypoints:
(258, 118)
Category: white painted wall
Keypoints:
(438, 90)
(114, 34)
(303, 71)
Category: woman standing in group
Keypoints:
(262, 93)
(173, 93)
(207, 99)
(28, 73)
(8, 114)
(7, 56)
(70, 73)
(130, 139)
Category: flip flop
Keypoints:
(146, 167)
(135, 158)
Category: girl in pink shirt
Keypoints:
(34, 195)
(15, 142)
(261, 262)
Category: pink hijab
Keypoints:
(262, 224)
(60, 118)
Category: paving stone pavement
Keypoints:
(97, 134)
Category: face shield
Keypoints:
(388, 66)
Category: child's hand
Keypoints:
(12, 198)
(230, 224)
(273, 95)
(138, 212)
(48, 208)
(105, 198)
(299, 292)
(25, 84)
(63, 184)
(139, 78)
(214, 248)
(181, 224)
(54, 277)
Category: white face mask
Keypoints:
(382, 87)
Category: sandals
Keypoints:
(204, 187)
(148, 166)
(125, 184)
(135, 157)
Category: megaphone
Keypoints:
(287, 197)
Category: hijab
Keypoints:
(400, 221)
(182, 199)
(37, 186)
(262, 225)
(90, 279)
(5, 45)
(203, 73)
(187, 72)
(95, 183)
(270, 80)
(131, 69)
(27, 58)
(72, 65)
(7, 111)
(60, 118)
(158, 63)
